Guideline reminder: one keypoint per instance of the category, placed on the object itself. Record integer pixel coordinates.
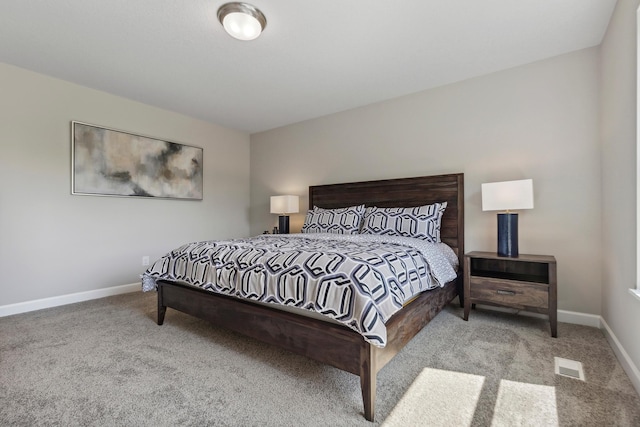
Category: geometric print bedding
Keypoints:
(357, 280)
(422, 222)
(338, 221)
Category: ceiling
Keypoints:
(314, 57)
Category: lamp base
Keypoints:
(283, 224)
(508, 235)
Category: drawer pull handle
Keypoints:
(502, 292)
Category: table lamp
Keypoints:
(283, 205)
(507, 196)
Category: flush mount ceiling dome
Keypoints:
(242, 20)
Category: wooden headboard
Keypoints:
(403, 192)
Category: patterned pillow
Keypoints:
(422, 222)
(338, 221)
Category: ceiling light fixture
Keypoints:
(242, 20)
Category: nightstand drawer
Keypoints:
(507, 292)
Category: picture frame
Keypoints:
(111, 162)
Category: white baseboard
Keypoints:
(576, 318)
(39, 304)
(627, 364)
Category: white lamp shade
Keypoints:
(507, 195)
(284, 204)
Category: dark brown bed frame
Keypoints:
(330, 343)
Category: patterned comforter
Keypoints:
(358, 280)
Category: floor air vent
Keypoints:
(569, 368)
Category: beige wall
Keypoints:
(53, 243)
(537, 121)
(620, 309)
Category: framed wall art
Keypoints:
(109, 162)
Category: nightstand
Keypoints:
(526, 283)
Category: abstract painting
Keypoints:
(109, 162)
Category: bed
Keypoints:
(332, 343)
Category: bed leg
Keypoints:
(460, 290)
(368, 380)
(162, 309)
(161, 312)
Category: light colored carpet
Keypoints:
(105, 362)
